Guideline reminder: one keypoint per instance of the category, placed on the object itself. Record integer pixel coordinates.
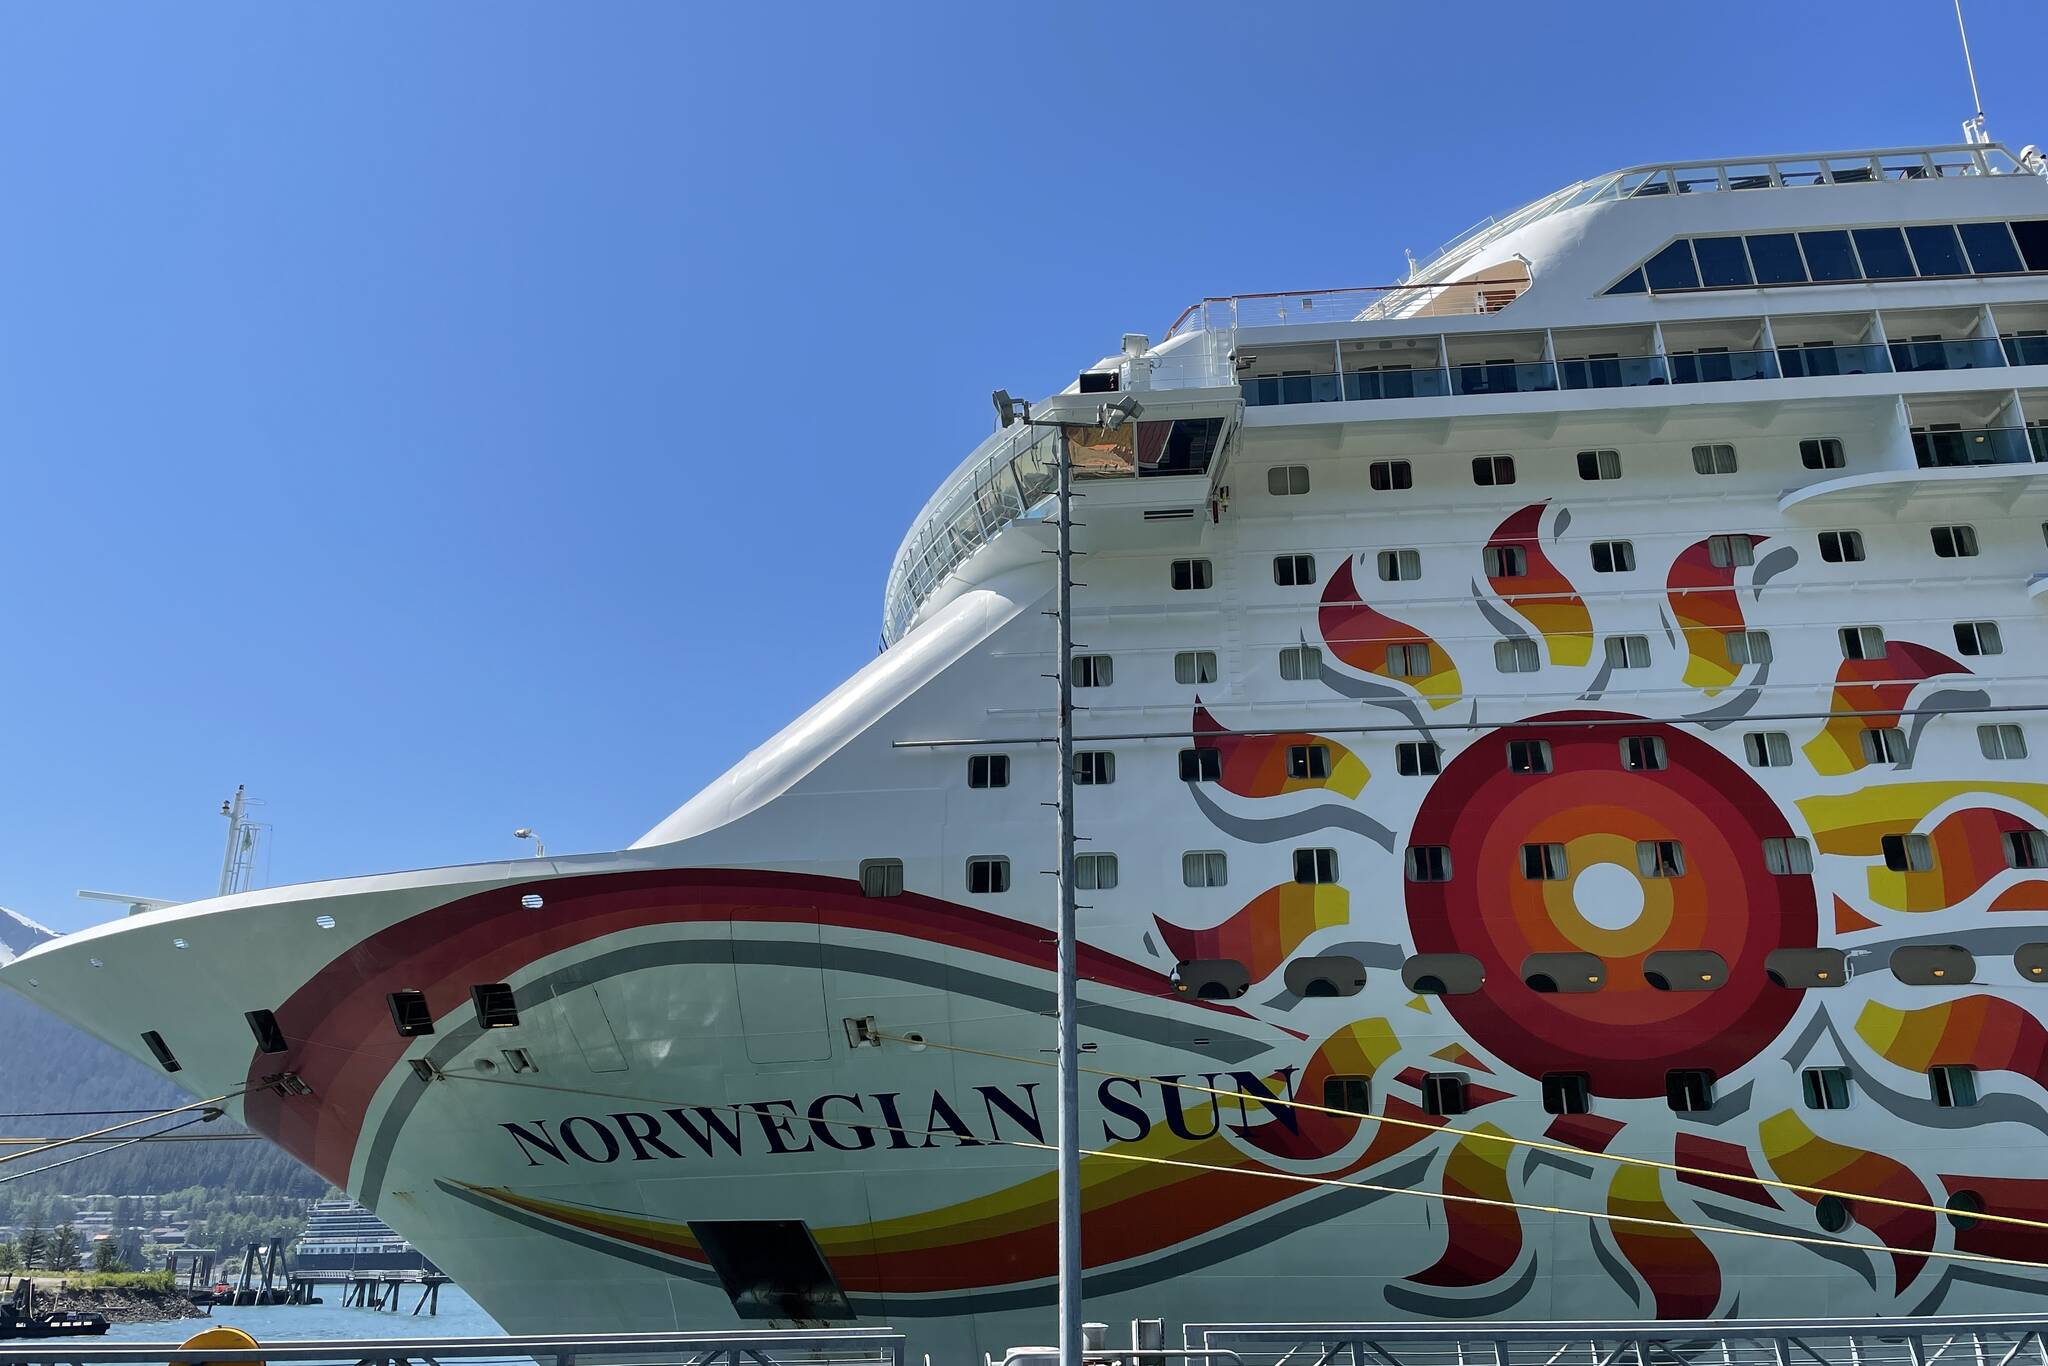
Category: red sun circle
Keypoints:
(1628, 1034)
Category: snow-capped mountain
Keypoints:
(19, 934)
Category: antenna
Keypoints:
(238, 862)
(1973, 128)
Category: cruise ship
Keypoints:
(340, 1235)
(1562, 812)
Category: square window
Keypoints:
(1094, 872)
(1301, 663)
(1567, 1093)
(409, 1014)
(1954, 542)
(1643, 754)
(1768, 749)
(1729, 551)
(1515, 656)
(1543, 862)
(1429, 862)
(2026, 849)
(1192, 575)
(988, 875)
(1315, 866)
(1713, 459)
(1194, 666)
(1093, 671)
(1418, 759)
(1613, 557)
(1388, 476)
(1399, 565)
(1953, 1086)
(1443, 1093)
(1788, 856)
(1203, 764)
(1294, 571)
(1528, 756)
(1094, 768)
(1285, 480)
(881, 877)
(1599, 464)
(1884, 745)
(1749, 647)
(1488, 470)
(1308, 761)
(1353, 1095)
(1505, 561)
(1204, 868)
(1827, 1088)
(2002, 742)
(1689, 1090)
(1660, 858)
(1408, 661)
(1861, 642)
(1979, 638)
(1907, 853)
(1821, 453)
(988, 770)
(1626, 652)
(1841, 547)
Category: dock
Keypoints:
(367, 1289)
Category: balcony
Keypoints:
(1613, 372)
(1504, 377)
(1821, 362)
(2026, 350)
(1713, 367)
(1974, 353)
(1959, 448)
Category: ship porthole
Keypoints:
(1833, 1213)
(325, 922)
(916, 1042)
(1963, 1209)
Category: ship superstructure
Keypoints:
(1581, 704)
(340, 1235)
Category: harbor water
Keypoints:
(460, 1317)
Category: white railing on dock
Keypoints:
(791, 1347)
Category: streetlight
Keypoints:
(526, 833)
(1109, 417)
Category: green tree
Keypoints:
(64, 1248)
(106, 1256)
(10, 1260)
(33, 1244)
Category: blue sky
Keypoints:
(444, 418)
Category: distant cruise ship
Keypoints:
(341, 1235)
(1582, 703)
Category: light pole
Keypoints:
(1109, 417)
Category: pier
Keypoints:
(367, 1289)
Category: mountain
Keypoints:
(48, 1065)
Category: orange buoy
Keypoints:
(222, 1337)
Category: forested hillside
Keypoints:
(47, 1065)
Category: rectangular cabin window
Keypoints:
(1428, 862)
(1884, 745)
(1505, 561)
(1643, 754)
(988, 770)
(1829, 257)
(1599, 465)
(1202, 764)
(1204, 868)
(1954, 542)
(2002, 742)
(1515, 656)
(1713, 458)
(409, 1014)
(1723, 263)
(1397, 566)
(1418, 759)
(1822, 453)
(1614, 557)
(1727, 551)
(1861, 642)
(1907, 853)
(881, 877)
(1952, 1086)
(1443, 1093)
(1315, 867)
(1788, 856)
(1936, 250)
(1841, 547)
(1489, 470)
(1528, 756)
(1351, 1094)
(1826, 1088)
(1768, 749)
(1660, 858)
(1689, 1090)
(1567, 1093)
(1626, 652)
(1301, 664)
(1390, 476)
(1294, 571)
(1979, 638)
(1194, 666)
(1094, 872)
(1192, 576)
(1308, 762)
(495, 1005)
(1748, 647)
(1094, 671)
(1543, 862)
(1776, 258)
(1094, 768)
(2026, 849)
(1284, 481)
(1990, 248)
(1408, 661)
(988, 875)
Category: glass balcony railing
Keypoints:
(1263, 391)
(1371, 384)
(1815, 362)
(1971, 354)
(2037, 439)
(1712, 367)
(1506, 378)
(1613, 372)
(1977, 446)
(2026, 350)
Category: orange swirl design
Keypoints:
(1481, 1242)
(1543, 596)
(1876, 686)
(1703, 600)
(1360, 636)
(1980, 1031)
(1265, 933)
(1799, 1155)
(1257, 765)
(1674, 1262)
